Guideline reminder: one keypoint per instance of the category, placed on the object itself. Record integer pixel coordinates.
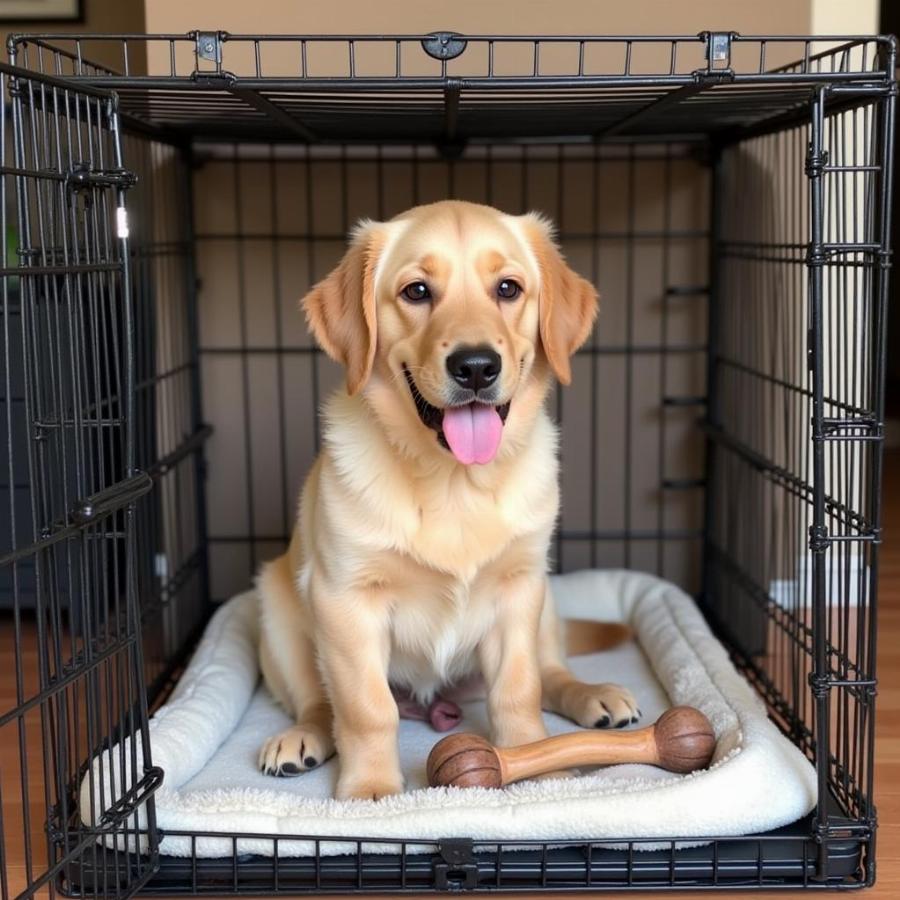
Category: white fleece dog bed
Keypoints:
(206, 739)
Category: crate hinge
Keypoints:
(718, 51)
(209, 45)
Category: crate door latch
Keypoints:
(455, 867)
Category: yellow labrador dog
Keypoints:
(421, 548)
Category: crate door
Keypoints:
(77, 781)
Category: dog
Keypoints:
(420, 554)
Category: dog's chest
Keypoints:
(458, 526)
(435, 632)
(458, 533)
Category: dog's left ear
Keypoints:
(340, 309)
(568, 302)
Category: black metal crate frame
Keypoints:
(446, 88)
(70, 481)
(811, 658)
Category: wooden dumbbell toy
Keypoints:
(682, 740)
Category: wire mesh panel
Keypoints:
(171, 558)
(447, 88)
(265, 864)
(69, 483)
(796, 421)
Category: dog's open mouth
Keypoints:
(471, 431)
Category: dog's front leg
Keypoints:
(509, 662)
(354, 652)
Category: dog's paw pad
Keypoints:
(295, 751)
(602, 722)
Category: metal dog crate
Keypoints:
(162, 212)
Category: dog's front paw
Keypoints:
(600, 705)
(368, 787)
(295, 751)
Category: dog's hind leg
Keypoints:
(288, 663)
(590, 705)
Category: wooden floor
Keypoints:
(887, 789)
(887, 718)
(887, 733)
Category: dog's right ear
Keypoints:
(340, 309)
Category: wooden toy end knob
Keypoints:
(464, 760)
(685, 740)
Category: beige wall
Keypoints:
(844, 17)
(99, 15)
(472, 16)
(499, 17)
(510, 16)
(502, 16)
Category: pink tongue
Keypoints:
(473, 432)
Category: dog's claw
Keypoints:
(295, 751)
(602, 722)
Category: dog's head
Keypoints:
(461, 309)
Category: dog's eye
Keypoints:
(508, 289)
(417, 292)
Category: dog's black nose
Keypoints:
(474, 367)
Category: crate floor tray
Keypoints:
(206, 739)
(782, 857)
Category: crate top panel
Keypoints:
(448, 89)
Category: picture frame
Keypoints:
(41, 10)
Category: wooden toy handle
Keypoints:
(682, 740)
(580, 748)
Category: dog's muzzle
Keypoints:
(471, 430)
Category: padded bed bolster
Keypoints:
(206, 739)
